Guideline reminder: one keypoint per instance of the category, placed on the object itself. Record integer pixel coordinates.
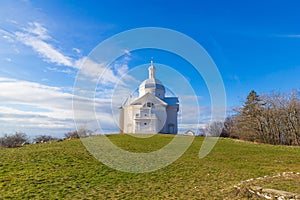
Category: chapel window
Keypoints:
(149, 104)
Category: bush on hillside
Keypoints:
(12, 141)
(72, 134)
(78, 134)
(43, 138)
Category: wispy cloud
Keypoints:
(293, 36)
(36, 29)
(287, 35)
(36, 36)
(55, 69)
(121, 66)
(7, 36)
(8, 59)
(102, 72)
(76, 50)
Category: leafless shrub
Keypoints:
(78, 134)
(43, 138)
(15, 140)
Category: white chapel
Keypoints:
(151, 112)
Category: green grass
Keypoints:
(65, 170)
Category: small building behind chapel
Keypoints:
(152, 111)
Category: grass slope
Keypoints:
(65, 170)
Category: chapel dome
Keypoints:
(152, 85)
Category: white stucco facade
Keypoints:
(151, 112)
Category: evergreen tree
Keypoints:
(252, 104)
(248, 121)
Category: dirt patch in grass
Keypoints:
(285, 185)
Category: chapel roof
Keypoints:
(171, 101)
(148, 97)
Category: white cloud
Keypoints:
(127, 52)
(34, 94)
(36, 29)
(294, 36)
(12, 21)
(121, 66)
(55, 69)
(288, 35)
(44, 49)
(28, 105)
(76, 50)
(6, 35)
(8, 59)
(36, 36)
(99, 72)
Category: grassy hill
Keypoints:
(65, 170)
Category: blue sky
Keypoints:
(255, 45)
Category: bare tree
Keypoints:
(202, 131)
(15, 140)
(215, 128)
(228, 128)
